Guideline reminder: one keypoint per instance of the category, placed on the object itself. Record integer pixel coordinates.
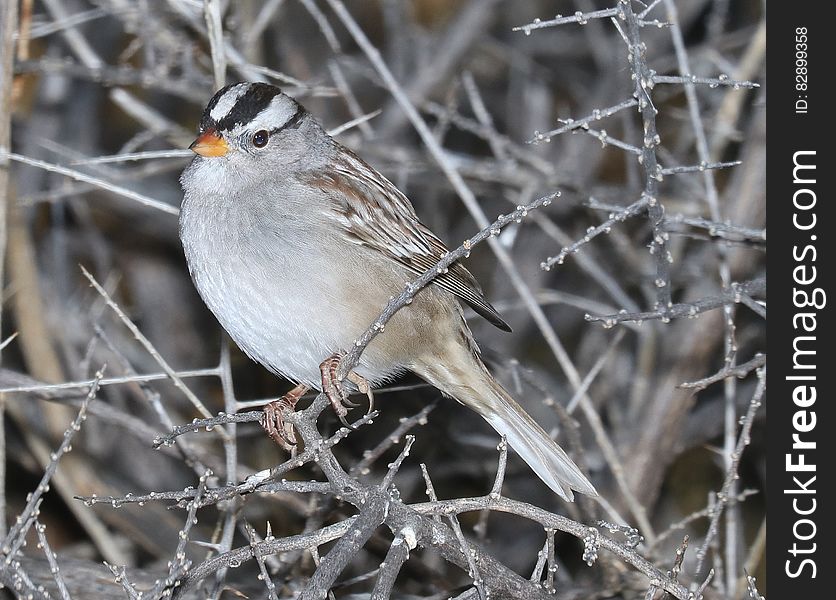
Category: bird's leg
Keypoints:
(273, 418)
(332, 386)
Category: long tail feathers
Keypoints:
(534, 445)
(477, 389)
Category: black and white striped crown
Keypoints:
(261, 104)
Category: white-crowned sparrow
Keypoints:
(296, 245)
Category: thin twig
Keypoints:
(608, 447)
(269, 546)
(473, 570)
(580, 18)
(546, 519)
(95, 181)
(743, 440)
(712, 82)
(180, 565)
(395, 466)
(430, 489)
(615, 217)
(120, 576)
(264, 575)
(739, 370)
(551, 565)
(13, 577)
(698, 168)
(134, 156)
(214, 27)
(642, 76)
(26, 518)
(359, 121)
(51, 558)
(172, 374)
(496, 489)
(685, 309)
(405, 425)
(699, 514)
(46, 388)
(8, 26)
(583, 122)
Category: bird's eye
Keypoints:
(260, 138)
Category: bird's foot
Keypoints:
(273, 420)
(333, 388)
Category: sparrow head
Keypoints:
(254, 126)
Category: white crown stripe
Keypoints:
(277, 114)
(228, 101)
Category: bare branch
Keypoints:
(27, 517)
(99, 183)
(743, 440)
(51, 557)
(740, 371)
(685, 309)
(580, 18)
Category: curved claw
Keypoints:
(332, 386)
(289, 437)
(273, 419)
(364, 388)
(349, 403)
(274, 424)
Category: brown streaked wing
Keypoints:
(376, 214)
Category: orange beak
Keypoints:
(209, 143)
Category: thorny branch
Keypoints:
(375, 506)
(733, 295)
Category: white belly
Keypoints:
(295, 309)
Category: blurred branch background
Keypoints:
(647, 273)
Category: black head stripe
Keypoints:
(256, 99)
